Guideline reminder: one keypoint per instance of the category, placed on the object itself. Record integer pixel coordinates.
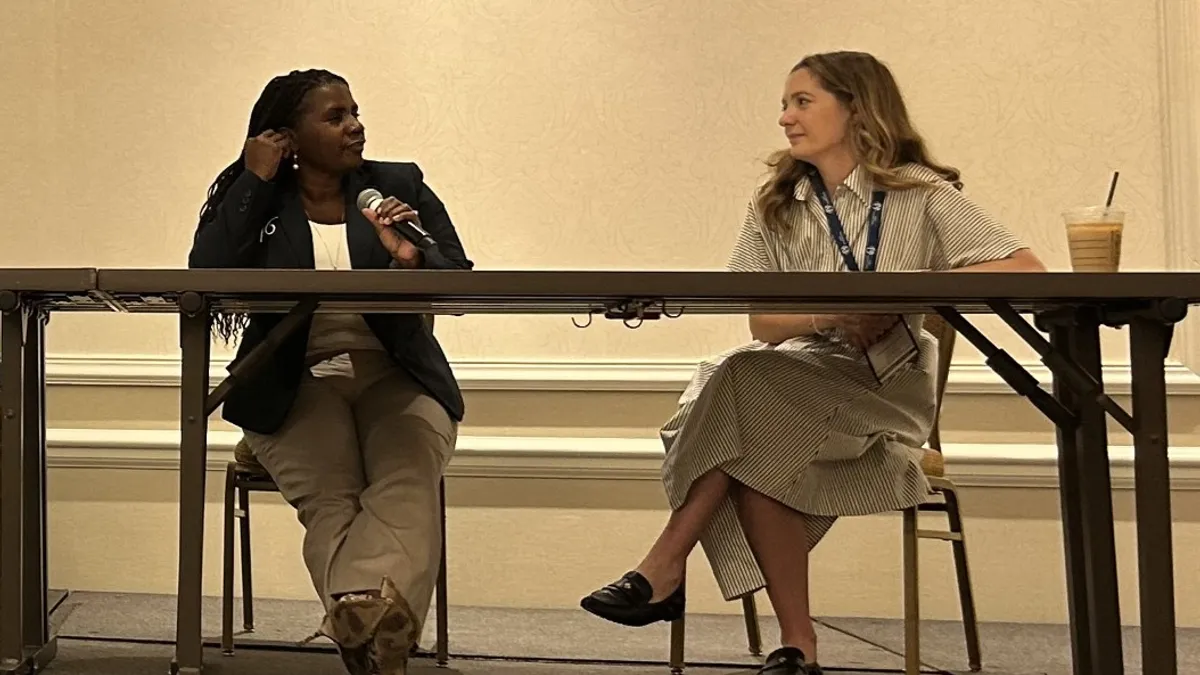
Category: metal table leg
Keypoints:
(1078, 607)
(40, 647)
(195, 405)
(12, 477)
(442, 595)
(1095, 507)
(194, 324)
(1148, 344)
(1079, 410)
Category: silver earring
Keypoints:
(295, 161)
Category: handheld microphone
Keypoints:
(371, 198)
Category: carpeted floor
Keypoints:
(533, 634)
(97, 630)
(94, 658)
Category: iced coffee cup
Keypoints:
(1094, 238)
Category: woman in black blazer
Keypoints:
(354, 416)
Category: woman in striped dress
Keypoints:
(772, 441)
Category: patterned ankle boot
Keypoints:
(351, 624)
(374, 633)
(397, 633)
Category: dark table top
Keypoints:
(53, 280)
(708, 291)
(157, 290)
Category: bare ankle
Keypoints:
(664, 577)
(805, 643)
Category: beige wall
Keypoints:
(587, 134)
(573, 535)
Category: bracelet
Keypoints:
(812, 320)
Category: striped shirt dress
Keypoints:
(804, 421)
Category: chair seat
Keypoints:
(246, 463)
(933, 463)
(242, 454)
(254, 470)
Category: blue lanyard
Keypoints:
(874, 223)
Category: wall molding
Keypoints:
(1179, 75)
(669, 376)
(996, 465)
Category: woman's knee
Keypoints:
(328, 502)
(747, 497)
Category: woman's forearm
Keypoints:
(1020, 261)
(230, 237)
(776, 328)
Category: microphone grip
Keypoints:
(409, 230)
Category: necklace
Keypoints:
(334, 260)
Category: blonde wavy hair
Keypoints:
(880, 133)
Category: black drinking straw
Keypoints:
(1112, 189)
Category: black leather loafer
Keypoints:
(789, 661)
(627, 602)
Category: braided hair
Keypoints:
(278, 107)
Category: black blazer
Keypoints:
(237, 238)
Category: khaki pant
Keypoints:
(360, 457)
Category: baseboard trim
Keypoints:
(551, 457)
(132, 370)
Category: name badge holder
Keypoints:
(896, 348)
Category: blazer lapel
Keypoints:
(366, 252)
(293, 223)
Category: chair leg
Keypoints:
(227, 567)
(753, 633)
(912, 599)
(678, 634)
(443, 625)
(247, 574)
(966, 594)
(677, 639)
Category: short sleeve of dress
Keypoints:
(967, 235)
(750, 251)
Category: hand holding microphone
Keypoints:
(398, 226)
